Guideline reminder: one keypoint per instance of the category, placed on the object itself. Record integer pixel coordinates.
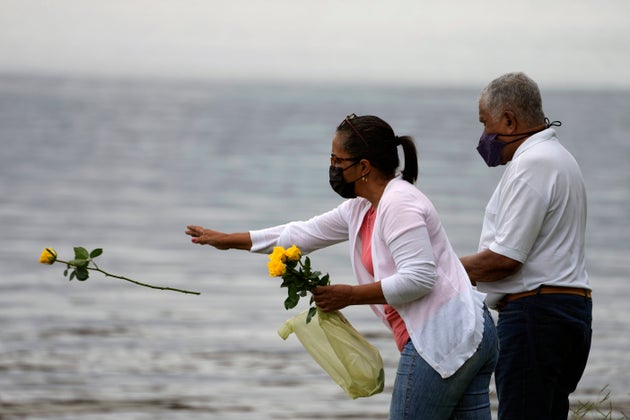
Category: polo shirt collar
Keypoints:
(535, 139)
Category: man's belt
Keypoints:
(545, 290)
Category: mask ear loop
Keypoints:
(552, 123)
(547, 123)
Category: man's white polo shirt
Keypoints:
(537, 215)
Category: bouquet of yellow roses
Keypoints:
(297, 276)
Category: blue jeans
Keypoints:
(421, 393)
(544, 341)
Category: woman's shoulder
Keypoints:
(402, 193)
(353, 206)
(399, 188)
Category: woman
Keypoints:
(406, 269)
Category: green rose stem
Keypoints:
(96, 268)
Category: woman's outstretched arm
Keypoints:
(219, 240)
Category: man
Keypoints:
(531, 254)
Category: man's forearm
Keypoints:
(488, 266)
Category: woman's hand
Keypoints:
(219, 240)
(338, 296)
(203, 236)
(332, 298)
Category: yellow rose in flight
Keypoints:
(48, 256)
(83, 263)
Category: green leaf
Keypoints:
(311, 313)
(82, 274)
(81, 253)
(65, 272)
(79, 263)
(324, 281)
(73, 275)
(291, 301)
(95, 253)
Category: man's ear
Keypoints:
(509, 122)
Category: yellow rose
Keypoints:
(293, 253)
(48, 256)
(276, 268)
(278, 254)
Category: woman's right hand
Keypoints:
(219, 240)
(203, 236)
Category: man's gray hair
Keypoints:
(517, 93)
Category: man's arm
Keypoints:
(488, 266)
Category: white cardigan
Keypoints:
(420, 274)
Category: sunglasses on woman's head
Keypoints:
(353, 128)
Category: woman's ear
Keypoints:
(365, 167)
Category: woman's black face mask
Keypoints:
(338, 184)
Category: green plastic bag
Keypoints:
(353, 363)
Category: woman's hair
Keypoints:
(514, 92)
(369, 137)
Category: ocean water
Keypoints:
(125, 165)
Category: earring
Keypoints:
(364, 178)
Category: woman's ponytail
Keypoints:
(410, 170)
